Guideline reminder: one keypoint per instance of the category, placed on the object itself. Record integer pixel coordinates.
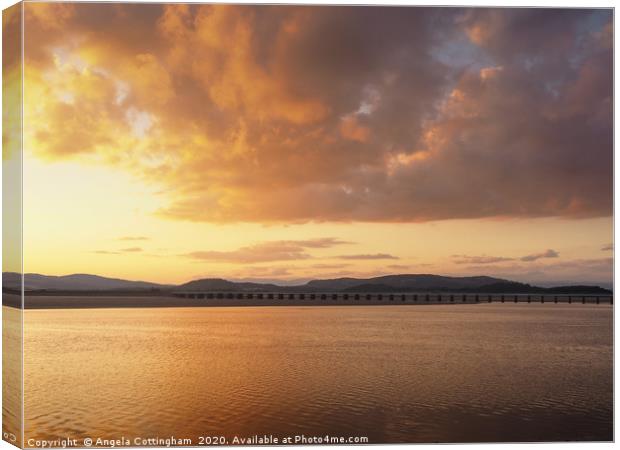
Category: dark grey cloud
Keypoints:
(465, 259)
(485, 259)
(536, 256)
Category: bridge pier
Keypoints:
(378, 298)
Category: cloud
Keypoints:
(546, 254)
(608, 247)
(465, 259)
(268, 251)
(105, 252)
(308, 113)
(11, 82)
(261, 272)
(318, 243)
(352, 130)
(352, 274)
(369, 256)
(255, 274)
(329, 266)
(593, 271)
(131, 250)
(484, 259)
(133, 238)
(398, 266)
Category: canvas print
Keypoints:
(230, 224)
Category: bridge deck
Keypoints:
(394, 298)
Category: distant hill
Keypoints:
(503, 287)
(405, 282)
(390, 283)
(218, 284)
(577, 290)
(77, 282)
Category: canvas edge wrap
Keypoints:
(12, 227)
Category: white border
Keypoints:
(483, 3)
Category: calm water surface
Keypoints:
(447, 373)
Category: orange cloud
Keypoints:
(11, 81)
(352, 130)
(132, 250)
(295, 114)
(368, 256)
(267, 251)
(50, 16)
(478, 34)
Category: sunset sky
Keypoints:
(173, 142)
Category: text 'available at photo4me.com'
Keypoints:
(176, 441)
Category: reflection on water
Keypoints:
(395, 374)
(11, 375)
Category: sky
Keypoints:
(173, 142)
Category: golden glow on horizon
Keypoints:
(76, 225)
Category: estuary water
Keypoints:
(391, 374)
